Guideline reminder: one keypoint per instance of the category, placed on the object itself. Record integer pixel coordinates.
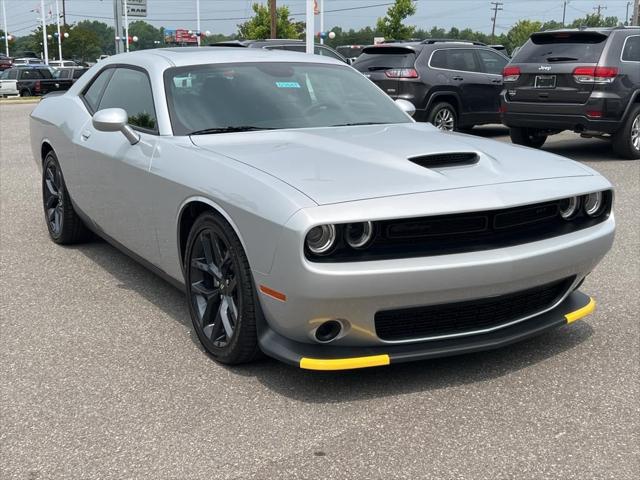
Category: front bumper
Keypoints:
(324, 357)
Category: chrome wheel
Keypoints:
(53, 198)
(214, 291)
(444, 120)
(635, 133)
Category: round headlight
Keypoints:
(359, 234)
(320, 239)
(568, 207)
(593, 204)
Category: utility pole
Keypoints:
(626, 16)
(59, 35)
(497, 6)
(564, 11)
(64, 14)
(273, 15)
(322, 21)
(126, 23)
(599, 8)
(636, 13)
(117, 19)
(198, 20)
(311, 19)
(6, 34)
(45, 45)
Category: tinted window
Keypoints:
(31, 74)
(380, 58)
(631, 52)
(274, 95)
(77, 73)
(455, 59)
(325, 52)
(130, 89)
(9, 74)
(585, 47)
(63, 74)
(94, 92)
(493, 63)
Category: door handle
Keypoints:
(458, 78)
(85, 135)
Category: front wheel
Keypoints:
(220, 291)
(528, 137)
(626, 142)
(443, 116)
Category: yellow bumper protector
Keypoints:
(581, 312)
(344, 363)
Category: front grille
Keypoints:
(467, 316)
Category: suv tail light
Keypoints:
(510, 74)
(401, 73)
(595, 74)
(37, 86)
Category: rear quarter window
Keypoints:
(631, 50)
(583, 47)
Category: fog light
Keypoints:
(593, 204)
(359, 234)
(569, 207)
(328, 331)
(321, 239)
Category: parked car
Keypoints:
(586, 81)
(27, 61)
(305, 214)
(350, 52)
(5, 62)
(31, 81)
(69, 73)
(453, 84)
(62, 63)
(283, 44)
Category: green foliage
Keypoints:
(391, 26)
(521, 32)
(259, 26)
(147, 34)
(595, 20)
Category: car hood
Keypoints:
(341, 164)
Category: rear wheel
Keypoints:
(220, 291)
(443, 116)
(25, 92)
(529, 137)
(626, 142)
(65, 227)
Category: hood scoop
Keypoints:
(442, 160)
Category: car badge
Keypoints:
(546, 68)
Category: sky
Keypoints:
(223, 16)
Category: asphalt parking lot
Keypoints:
(101, 375)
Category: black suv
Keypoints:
(282, 44)
(453, 84)
(585, 80)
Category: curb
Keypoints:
(19, 101)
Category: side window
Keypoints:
(631, 52)
(493, 63)
(30, 74)
(94, 92)
(78, 73)
(130, 89)
(462, 59)
(325, 52)
(439, 59)
(11, 74)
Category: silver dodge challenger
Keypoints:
(307, 216)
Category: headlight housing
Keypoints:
(321, 239)
(358, 235)
(593, 204)
(569, 207)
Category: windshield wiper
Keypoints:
(229, 129)
(355, 124)
(561, 59)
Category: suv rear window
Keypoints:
(381, 58)
(583, 47)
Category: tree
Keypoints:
(520, 33)
(391, 26)
(83, 44)
(147, 35)
(595, 20)
(259, 26)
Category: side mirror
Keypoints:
(115, 120)
(406, 106)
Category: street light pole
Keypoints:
(126, 23)
(321, 21)
(45, 45)
(310, 26)
(198, 20)
(6, 34)
(59, 34)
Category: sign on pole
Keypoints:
(136, 8)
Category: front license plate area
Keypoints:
(545, 81)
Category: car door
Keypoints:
(492, 64)
(113, 175)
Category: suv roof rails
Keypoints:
(431, 41)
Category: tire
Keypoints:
(443, 115)
(25, 92)
(63, 223)
(626, 141)
(528, 137)
(220, 287)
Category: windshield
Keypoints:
(273, 95)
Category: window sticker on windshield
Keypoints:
(287, 85)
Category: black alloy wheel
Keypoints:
(220, 291)
(64, 225)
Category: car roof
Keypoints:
(184, 56)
